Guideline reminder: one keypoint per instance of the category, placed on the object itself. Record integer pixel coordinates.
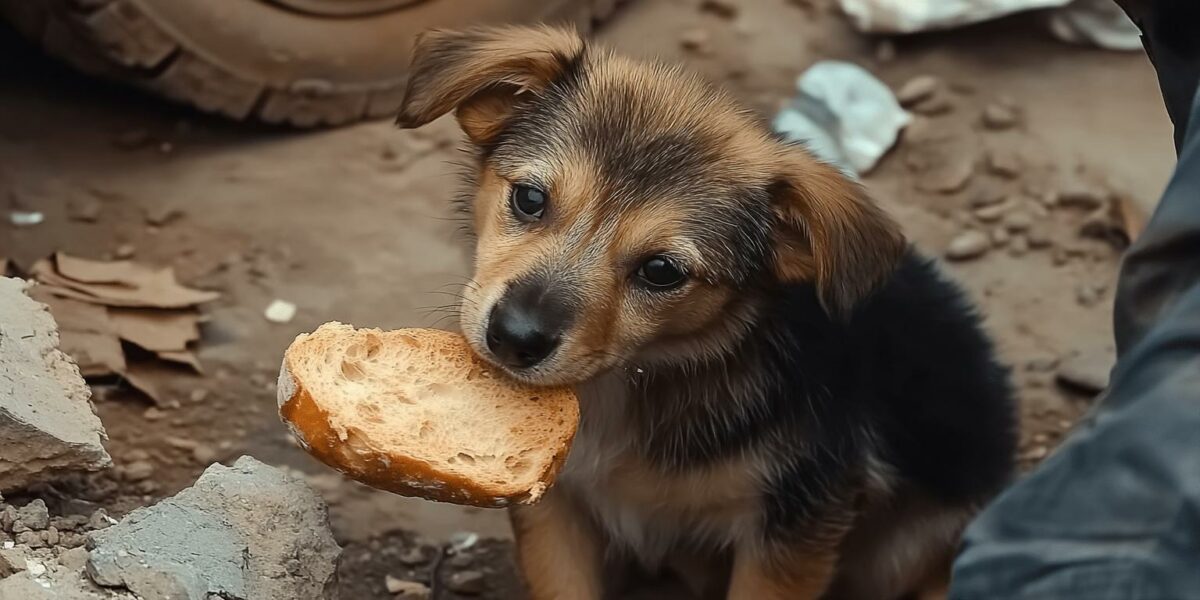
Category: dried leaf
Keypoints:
(156, 330)
(72, 314)
(97, 354)
(183, 357)
(119, 283)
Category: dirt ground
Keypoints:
(355, 225)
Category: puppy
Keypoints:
(770, 378)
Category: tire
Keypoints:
(305, 63)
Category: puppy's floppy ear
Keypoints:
(481, 72)
(829, 232)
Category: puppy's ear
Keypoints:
(481, 73)
(827, 231)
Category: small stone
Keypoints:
(1018, 220)
(1088, 295)
(100, 520)
(125, 251)
(12, 560)
(721, 8)
(71, 540)
(917, 89)
(33, 539)
(696, 40)
(968, 245)
(469, 582)
(34, 515)
(69, 522)
(1000, 237)
(153, 413)
(1082, 195)
(50, 536)
(8, 515)
(1036, 453)
(1019, 246)
(73, 559)
(992, 212)
(138, 471)
(1085, 371)
(198, 395)
(409, 590)
(280, 311)
(950, 177)
(414, 556)
(998, 116)
(1003, 164)
(86, 210)
(161, 214)
(204, 454)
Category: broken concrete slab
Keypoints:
(246, 531)
(47, 423)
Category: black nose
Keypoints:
(526, 325)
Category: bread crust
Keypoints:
(394, 471)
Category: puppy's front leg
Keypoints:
(782, 573)
(558, 549)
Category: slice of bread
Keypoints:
(415, 412)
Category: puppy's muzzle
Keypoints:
(527, 325)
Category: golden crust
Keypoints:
(396, 472)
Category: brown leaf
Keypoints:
(156, 330)
(72, 314)
(183, 357)
(97, 354)
(119, 283)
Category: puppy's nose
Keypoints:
(526, 325)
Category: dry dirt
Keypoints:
(355, 225)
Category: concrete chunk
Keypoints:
(242, 532)
(47, 423)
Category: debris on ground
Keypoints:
(999, 116)
(246, 531)
(917, 89)
(1085, 371)
(103, 305)
(843, 114)
(968, 245)
(697, 40)
(47, 423)
(25, 218)
(280, 311)
(86, 209)
(1098, 23)
(910, 16)
(725, 9)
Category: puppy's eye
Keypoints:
(660, 273)
(528, 204)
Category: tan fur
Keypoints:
(792, 575)
(559, 553)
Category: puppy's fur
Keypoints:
(815, 407)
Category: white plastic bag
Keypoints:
(909, 16)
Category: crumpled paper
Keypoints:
(910, 16)
(843, 115)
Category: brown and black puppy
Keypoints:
(769, 376)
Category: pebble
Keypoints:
(721, 8)
(12, 560)
(7, 517)
(1085, 371)
(1018, 220)
(938, 104)
(1000, 237)
(138, 471)
(469, 582)
(153, 413)
(1019, 246)
(204, 454)
(968, 245)
(160, 214)
(414, 556)
(125, 251)
(1003, 164)
(950, 178)
(73, 559)
(50, 536)
(998, 116)
(408, 589)
(198, 395)
(280, 311)
(33, 539)
(696, 40)
(1081, 195)
(1088, 295)
(100, 520)
(992, 212)
(917, 89)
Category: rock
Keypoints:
(47, 424)
(469, 582)
(12, 560)
(1088, 295)
(999, 116)
(1003, 164)
(407, 590)
(198, 395)
(50, 536)
(8, 516)
(721, 8)
(1038, 236)
(85, 209)
(1000, 237)
(414, 556)
(100, 520)
(697, 40)
(246, 531)
(138, 471)
(34, 515)
(992, 212)
(938, 104)
(1019, 246)
(1085, 371)
(968, 245)
(1018, 220)
(124, 251)
(162, 214)
(949, 177)
(73, 559)
(33, 539)
(917, 89)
